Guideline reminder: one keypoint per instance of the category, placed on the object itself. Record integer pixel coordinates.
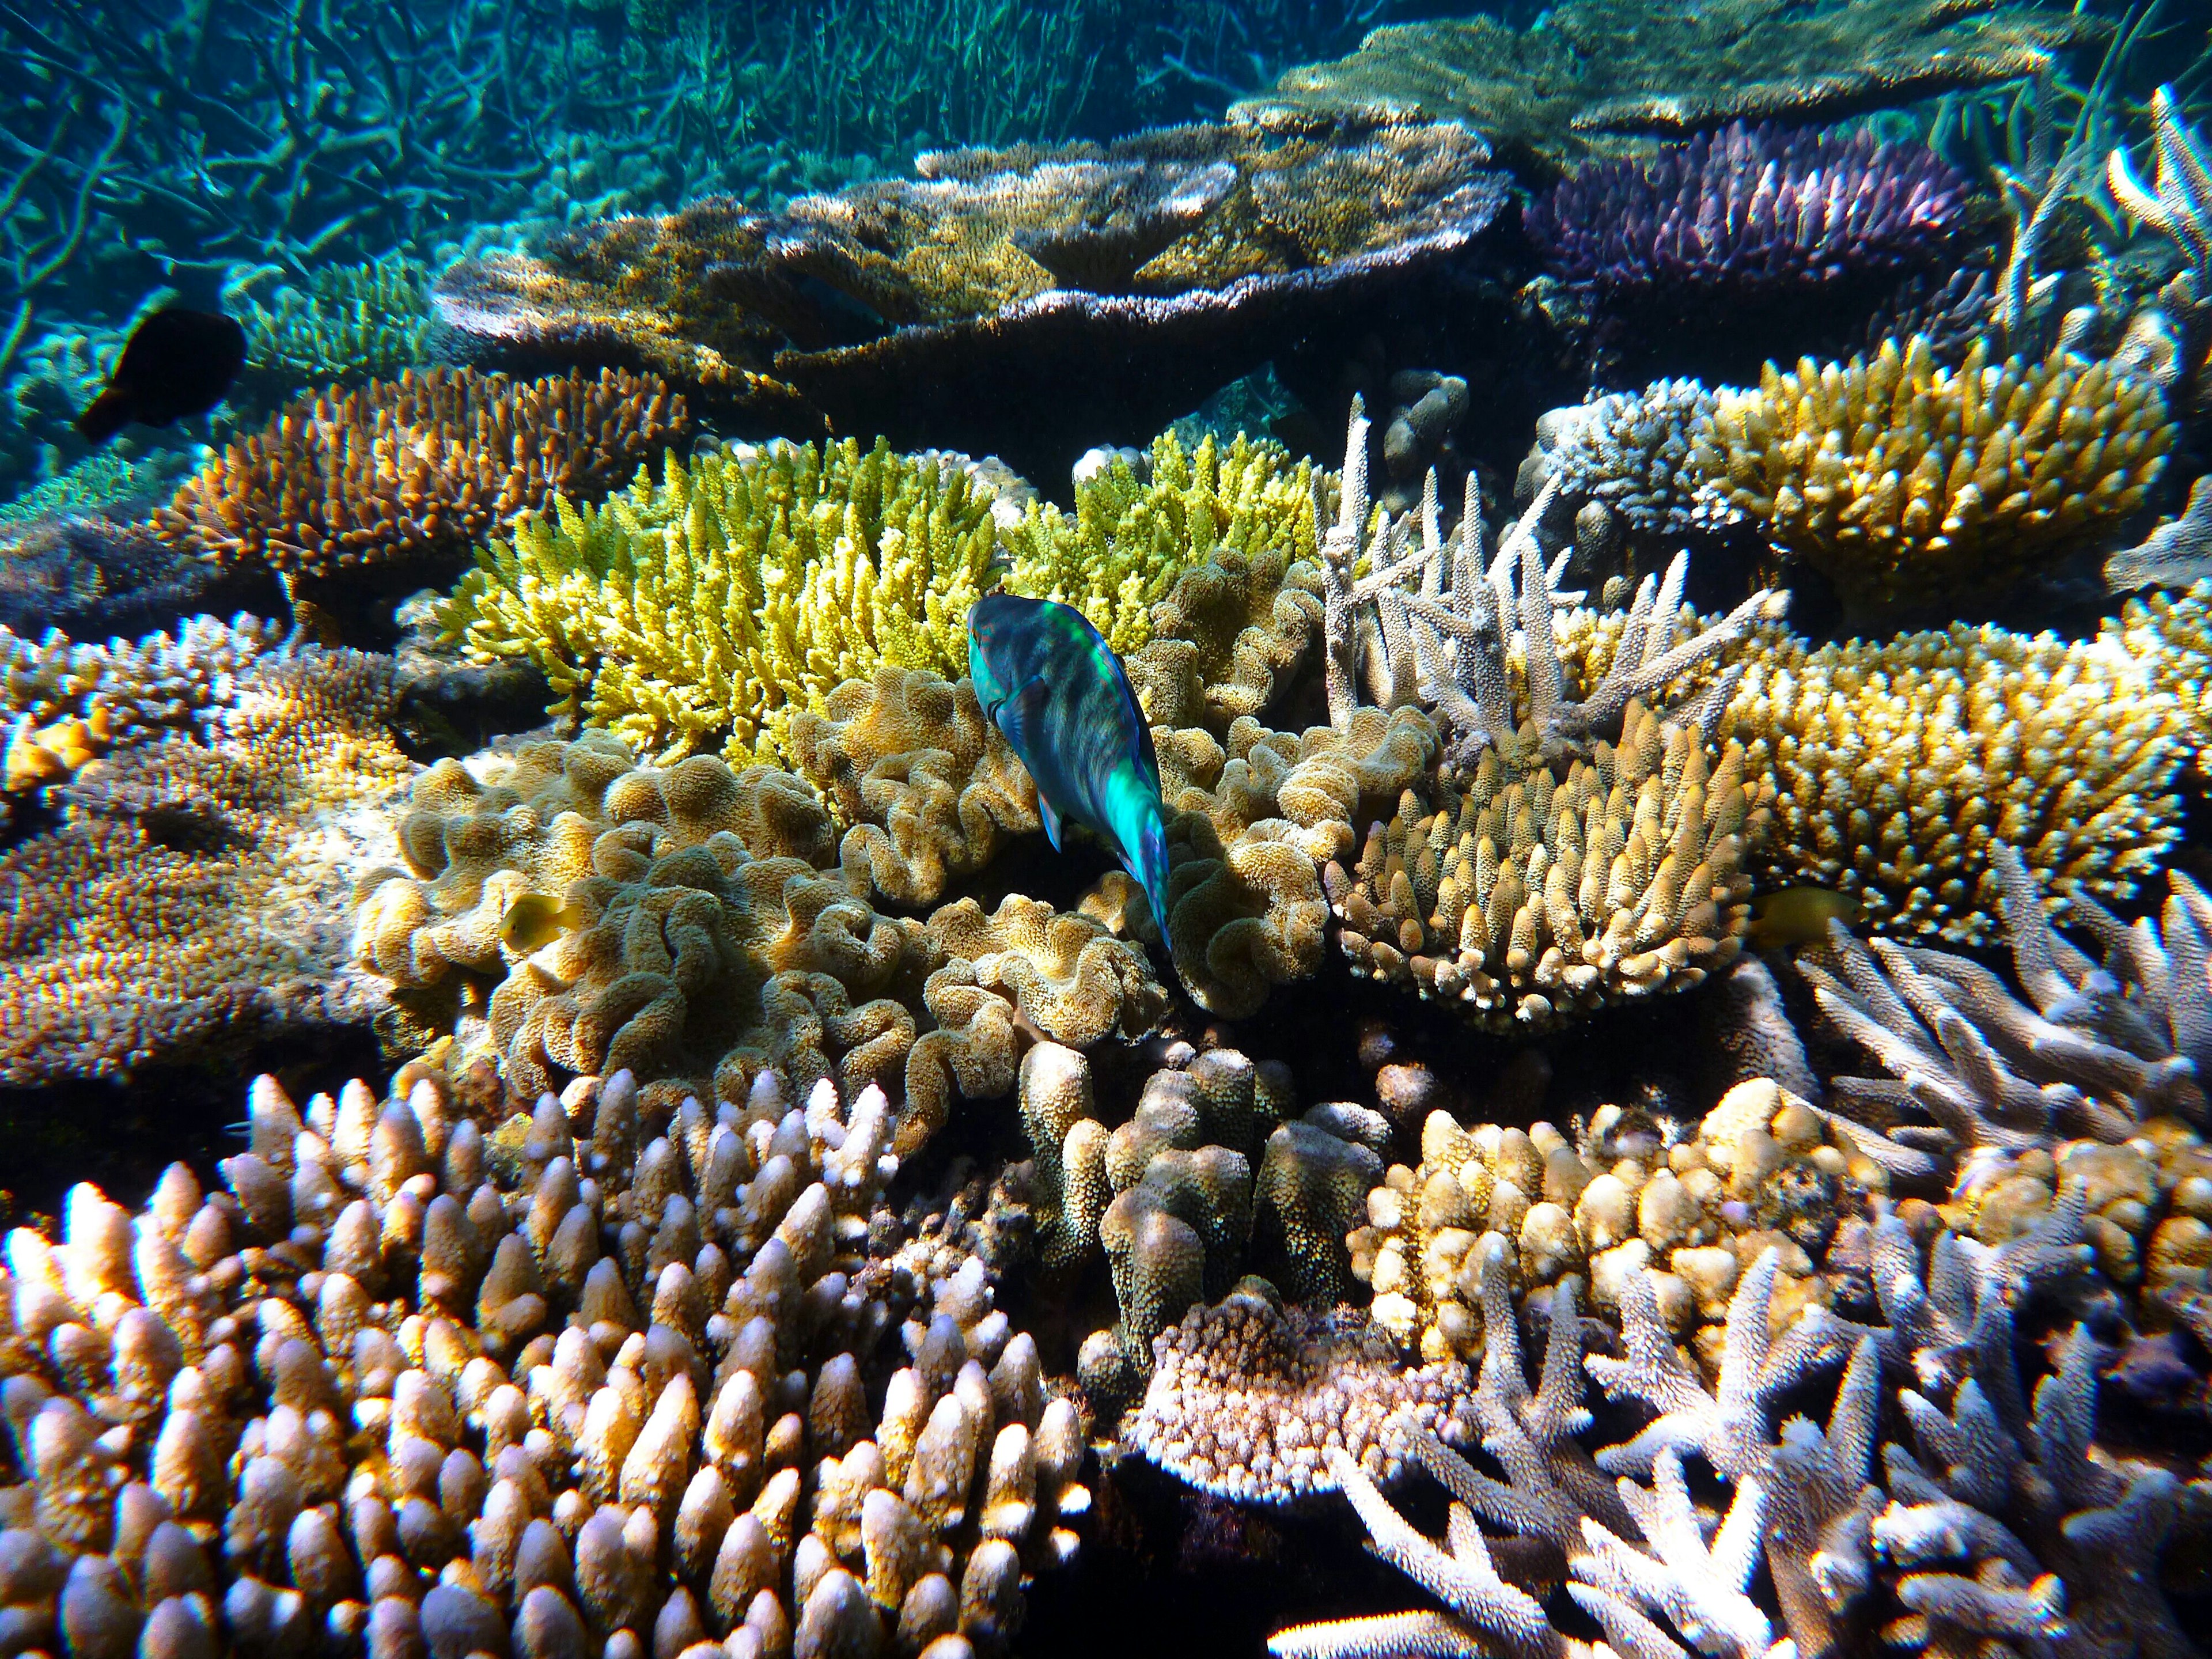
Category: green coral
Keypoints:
(351, 323)
(705, 611)
(102, 479)
(1131, 539)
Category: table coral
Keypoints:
(1749, 211)
(1132, 537)
(626, 1383)
(404, 472)
(706, 610)
(1908, 484)
(189, 899)
(1550, 94)
(1898, 763)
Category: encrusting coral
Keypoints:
(579, 914)
(186, 903)
(1910, 484)
(417, 1380)
(1898, 763)
(403, 472)
(705, 611)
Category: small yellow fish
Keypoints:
(1799, 915)
(533, 921)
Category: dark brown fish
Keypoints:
(177, 363)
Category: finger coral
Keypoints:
(1522, 899)
(1746, 212)
(1897, 765)
(1132, 537)
(189, 899)
(407, 472)
(1250, 1397)
(1910, 484)
(626, 1386)
(1630, 453)
(706, 610)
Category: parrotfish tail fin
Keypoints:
(105, 416)
(1050, 814)
(1153, 870)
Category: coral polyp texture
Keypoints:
(1132, 537)
(349, 323)
(712, 1436)
(1910, 484)
(1524, 897)
(1899, 765)
(1749, 211)
(411, 471)
(1150, 271)
(186, 901)
(1591, 68)
(703, 612)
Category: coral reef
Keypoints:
(571, 913)
(1629, 454)
(1748, 212)
(1897, 765)
(349, 323)
(1136, 531)
(1764, 1169)
(1545, 96)
(2180, 207)
(405, 473)
(707, 609)
(189, 899)
(608, 1381)
(962, 304)
(1908, 484)
(88, 574)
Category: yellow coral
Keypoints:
(1898, 763)
(1907, 482)
(706, 610)
(1130, 540)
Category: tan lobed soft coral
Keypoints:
(706, 610)
(405, 471)
(1910, 484)
(1551, 93)
(582, 914)
(928, 786)
(1898, 763)
(1248, 1393)
(1524, 897)
(1764, 1169)
(191, 898)
(417, 1379)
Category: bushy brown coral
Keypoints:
(191, 897)
(1526, 898)
(410, 471)
(579, 913)
(1764, 1169)
(418, 1382)
(1898, 763)
(1908, 483)
(1549, 94)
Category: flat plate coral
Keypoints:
(963, 304)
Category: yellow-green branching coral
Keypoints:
(705, 611)
(1131, 539)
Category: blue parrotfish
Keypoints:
(1056, 692)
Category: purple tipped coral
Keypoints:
(1757, 207)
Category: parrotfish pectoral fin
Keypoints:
(1050, 814)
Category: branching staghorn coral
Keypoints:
(616, 1374)
(1746, 212)
(2180, 207)
(187, 901)
(1899, 764)
(403, 472)
(1908, 484)
(704, 612)
(1132, 537)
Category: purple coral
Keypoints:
(1755, 209)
